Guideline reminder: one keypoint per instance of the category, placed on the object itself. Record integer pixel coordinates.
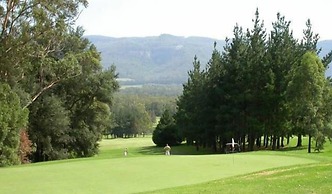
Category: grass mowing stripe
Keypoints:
(134, 174)
(310, 178)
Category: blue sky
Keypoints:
(208, 18)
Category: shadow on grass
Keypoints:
(184, 149)
(150, 150)
(288, 149)
(176, 150)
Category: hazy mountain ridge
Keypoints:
(162, 59)
(155, 59)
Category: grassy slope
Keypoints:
(146, 169)
(310, 178)
(306, 178)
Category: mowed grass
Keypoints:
(146, 169)
(304, 179)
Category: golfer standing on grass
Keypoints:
(167, 149)
(125, 153)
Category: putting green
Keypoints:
(134, 174)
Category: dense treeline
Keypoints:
(54, 95)
(135, 114)
(262, 88)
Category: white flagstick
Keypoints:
(233, 144)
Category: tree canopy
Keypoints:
(260, 89)
(47, 68)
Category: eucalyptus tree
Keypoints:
(84, 100)
(130, 116)
(89, 103)
(309, 43)
(31, 37)
(49, 127)
(305, 94)
(140, 120)
(34, 55)
(325, 132)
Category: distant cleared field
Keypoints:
(146, 169)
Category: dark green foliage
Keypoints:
(228, 95)
(130, 116)
(32, 54)
(49, 129)
(134, 113)
(87, 128)
(260, 86)
(166, 131)
(57, 74)
(305, 95)
(191, 107)
(283, 53)
(88, 97)
(12, 119)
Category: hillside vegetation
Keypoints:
(162, 59)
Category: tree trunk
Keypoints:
(266, 141)
(258, 142)
(274, 141)
(288, 138)
(215, 146)
(282, 141)
(219, 144)
(244, 143)
(309, 144)
(299, 141)
(251, 142)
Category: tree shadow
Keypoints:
(289, 149)
(176, 150)
(184, 149)
(151, 150)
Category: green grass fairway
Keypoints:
(145, 169)
(305, 179)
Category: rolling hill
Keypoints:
(164, 59)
